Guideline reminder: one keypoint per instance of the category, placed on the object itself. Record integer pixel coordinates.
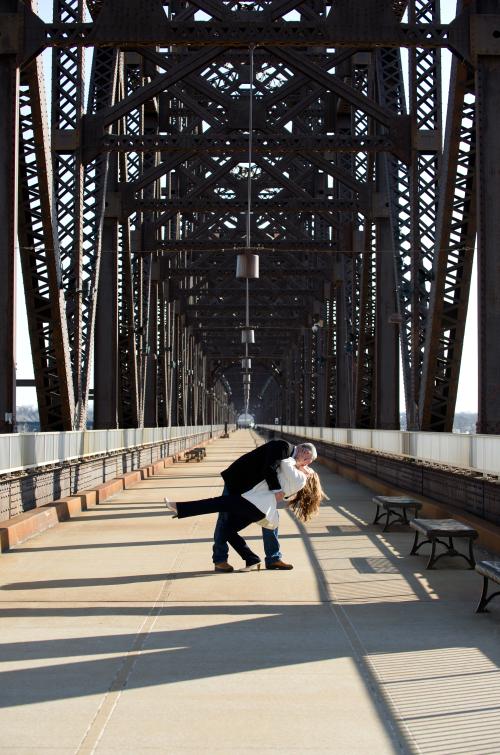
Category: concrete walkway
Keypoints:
(117, 636)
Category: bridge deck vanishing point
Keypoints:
(117, 636)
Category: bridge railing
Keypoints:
(476, 452)
(28, 450)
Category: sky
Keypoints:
(467, 391)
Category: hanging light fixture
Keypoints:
(247, 266)
(248, 335)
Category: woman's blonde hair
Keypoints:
(308, 500)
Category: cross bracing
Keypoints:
(131, 209)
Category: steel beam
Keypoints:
(9, 158)
(235, 33)
(488, 107)
(106, 413)
(268, 144)
(387, 342)
(67, 109)
(452, 272)
(40, 260)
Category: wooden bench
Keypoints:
(195, 453)
(434, 530)
(488, 570)
(395, 506)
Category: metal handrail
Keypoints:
(28, 450)
(479, 453)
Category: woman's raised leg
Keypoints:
(207, 505)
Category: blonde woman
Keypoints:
(301, 490)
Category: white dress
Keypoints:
(291, 480)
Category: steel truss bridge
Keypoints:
(128, 205)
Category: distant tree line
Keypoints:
(28, 421)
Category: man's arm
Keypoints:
(276, 451)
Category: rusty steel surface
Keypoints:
(131, 215)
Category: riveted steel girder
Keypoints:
(452, 271)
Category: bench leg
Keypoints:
(481, 607)
(387, 521)
(450, 551)
(415, 547)
(432, 558)
(471, 559)
(484, 600)
(378, 514)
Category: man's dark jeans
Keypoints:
(221, 548)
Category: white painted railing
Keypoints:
(477, 452)
(27, 450)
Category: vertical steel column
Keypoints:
(102, 91)
(294, 397)
(343, 363)
(184, 359)
(364, 295)
(187, 362)
(161, 349)
(170, 362)
(150, 382)
(386, 329)
(40, 260)
(417, 258)
(196, 383)
(150, 364)
(455, 238)
(345, 266)
(128, 403)
(313, 376)
(144, 270)
(288, 387)
(322, 370)
(131, 170)
(68, 87)
(344, 347)
(9, 139)
(488, 243)
(307, 359)
(365, 373)
(204, 392)
(106, 323)
(331, 356)
(178, 416)
(391, 94)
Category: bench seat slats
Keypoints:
(446, 527)
(490, 569)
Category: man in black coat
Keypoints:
(260, 464)
(242, 475)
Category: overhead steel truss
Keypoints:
(130, 210)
